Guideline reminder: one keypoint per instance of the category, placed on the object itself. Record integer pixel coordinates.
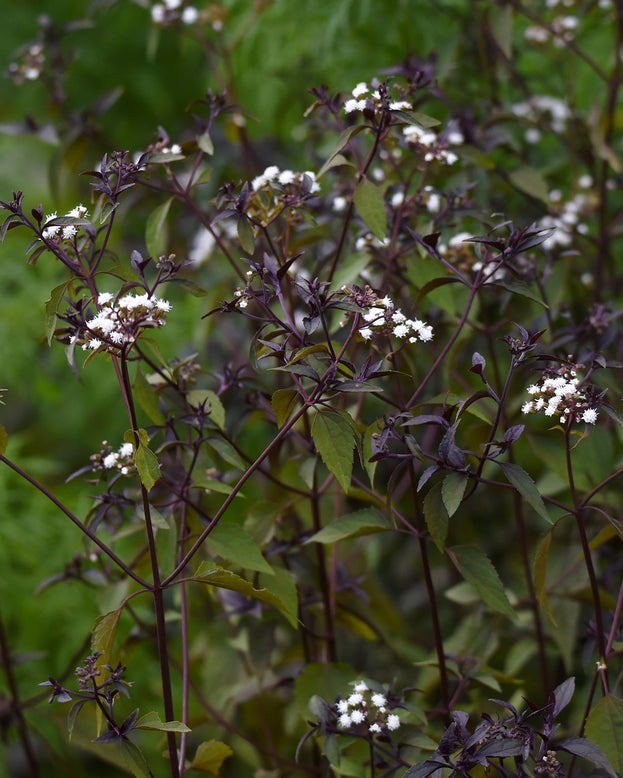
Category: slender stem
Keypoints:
(588, 560)
(446, 348)
(432, 598)
(82, 527)
(16, 707)
(157, 588)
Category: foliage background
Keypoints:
(281, 49)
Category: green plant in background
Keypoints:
(345, 498)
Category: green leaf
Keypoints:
(452, 491)
(342, 142)
(225, 450)
(134, 759)
(283, 402)
(418, 119)
(501, 28)
(520, 288)
(305, 352)
(146, 398)
(217, 576)
(147, 465)
(211, 402)
(3, 439)
(156, 233)
(370, 205)
(580, 746)
(604, 727)
(349, 270)
(232, 543)
(104, 633)
(246, 235)
(152, 721)
(282, 584)
(436, 516)
(526, 487)
(204, 141)
(353, 525)
(333, 437)
(478, 571)
(51, 308)
(540, 575)
(531, 182)
(210, 756)
(73, 715)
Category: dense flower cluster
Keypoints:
(30, 66)
(565, 218)
(121, 460)
(367, 708)
(432, 145)
(273, 177)
(558, 393)
(57, 232)
(381, 315)
(365, 98)
(544, 108)
(118, 322)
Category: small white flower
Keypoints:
(361, 687)
(126, 450)
(590, 416)
(360, 89)
(104, 298)
(366, 333)
(339, 204)
(357, 716)
(286, 177)
(344, 720)
(400, 105)
(527, 407)
(379, 700)
(401, 330)
(393, 721)
(190, 15)
(374, 314)
(342, 706)
(355, 699)
(110, 460)
(375, 728)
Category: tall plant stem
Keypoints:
(157, 588)
(16, 708)
(446, 348)
(432, 598)
(588, 560)
(534, 604)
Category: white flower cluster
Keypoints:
(559, 394)
(272, 176)
(463, 253)
(566, 221)
(363, 97)
(171, 11)
(121, 460)
(30, 66)
(544, 106)
(381, 315)
(434, 146)
(364, 707)
(119, 321)
(562, 30)
(67, 232)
